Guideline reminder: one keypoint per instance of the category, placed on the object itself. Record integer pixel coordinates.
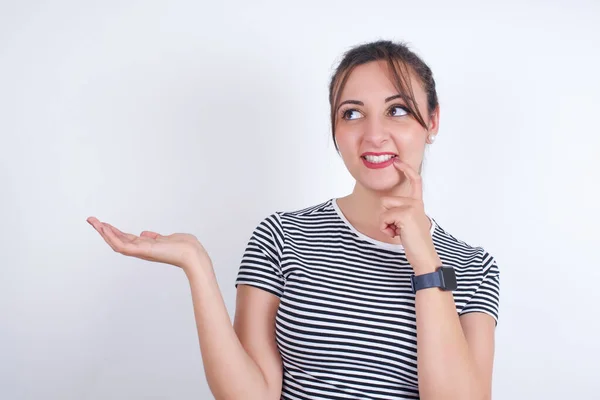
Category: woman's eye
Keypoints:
(396, 111)
(351, 114)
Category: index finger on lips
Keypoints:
(413, 177)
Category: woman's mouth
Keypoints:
(378, 161)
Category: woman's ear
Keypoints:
(434, 121)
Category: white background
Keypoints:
(187, 116)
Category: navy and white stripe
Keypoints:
(346, 325)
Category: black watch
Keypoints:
(443, 278)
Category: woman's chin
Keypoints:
(381, 184)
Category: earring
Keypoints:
(431, 138)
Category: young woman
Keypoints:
(359, 297)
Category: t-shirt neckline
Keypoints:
(378, 243)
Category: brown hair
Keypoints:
(400, 61)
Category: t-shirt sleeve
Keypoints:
(486, 298)
(261, 262)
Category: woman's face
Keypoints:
(375, 123)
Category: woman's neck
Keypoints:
(362, 208)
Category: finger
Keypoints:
(105, 230)
(93, 221)
(116, 242)
(122, 235)
(389, 202)
(413, 177)
(150, 234)
(391, 220)
(98, 226)
(390, 231)
(101, 231)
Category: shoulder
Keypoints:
(324, 207)
(277, 224)
(463, 255)
(301, 216)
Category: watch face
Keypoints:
(449, 278)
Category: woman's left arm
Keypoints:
(454, 354)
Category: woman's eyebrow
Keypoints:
(360, 103)
(396, 96)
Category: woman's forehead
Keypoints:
(374, 80)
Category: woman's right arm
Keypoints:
(243, 361)
(239, 364)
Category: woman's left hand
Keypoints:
(405, 217)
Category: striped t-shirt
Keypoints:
(346, 322)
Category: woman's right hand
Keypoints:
(180, 249)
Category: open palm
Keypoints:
(179, 249)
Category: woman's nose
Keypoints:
(375, 132)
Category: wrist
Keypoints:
(427, 267)
(197, 263)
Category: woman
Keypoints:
(331, 298)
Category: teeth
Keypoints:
(379, 159)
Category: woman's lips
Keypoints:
(378, 165)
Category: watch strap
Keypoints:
(425, 281)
